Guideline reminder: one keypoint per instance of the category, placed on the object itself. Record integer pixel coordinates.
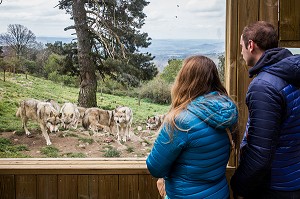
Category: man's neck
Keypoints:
(258, 54)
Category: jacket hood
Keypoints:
(215, 109)
(280, 62)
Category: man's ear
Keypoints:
(251, 45)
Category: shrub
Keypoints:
(157, 90)
(86, 140)
(8, 150)
(112, 152)
(170, 71)
(75, 155)
(130, 149)
(50, 151)
(66, 80)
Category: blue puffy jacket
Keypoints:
(193, 163)
(270, 151)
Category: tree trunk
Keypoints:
(88, 81)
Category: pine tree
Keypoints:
(109, 40)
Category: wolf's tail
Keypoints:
(20, 109)
(18, 114)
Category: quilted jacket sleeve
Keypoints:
(265, 105)
(165, 152)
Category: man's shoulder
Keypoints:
(265, 79)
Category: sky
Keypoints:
(166, 19)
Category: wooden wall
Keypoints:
(81, 186)
(80, 178)
(283, 14)
(76, 178)
(289, 23)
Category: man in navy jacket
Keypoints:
(269, 164)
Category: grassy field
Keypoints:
(17, 88)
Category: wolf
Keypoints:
(97, 119)
(123, 117)
(54, 104)
(154, 123)
(81, 112)
(70, 115)
(43, 113)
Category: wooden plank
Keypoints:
(289, 15)
(7, 186)
(268, 11)
(88, 186)
(248, 12)
(71, 166)
(67, 186)
(128, 186)
(231, 46)
(108, 186)
(26, 170)
(128, 163)
(25, 186)
(229, 174)
(67, 166)
(147, 187)
(47, 186)
(74, 163)
(289, 44)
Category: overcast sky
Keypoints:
(166, 19)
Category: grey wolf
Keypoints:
(43, 113)
(54, 104)
(154, 123)
(70, 115)
(81, 112)
(97, 119)
(123, 117)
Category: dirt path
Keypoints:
(70, 143)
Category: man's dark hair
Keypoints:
(262, 33)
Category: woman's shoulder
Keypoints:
(187, 120)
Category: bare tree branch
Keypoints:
(96, 24)
(18, 38)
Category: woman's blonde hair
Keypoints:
(198, 76)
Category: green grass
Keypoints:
(112, 152)
(68, 135)
(86, 140)
(17, 88)
(130, 149)
(50, 152)
(75, 155)
(8, 150)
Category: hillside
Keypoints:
(17, 88)
(68, 143)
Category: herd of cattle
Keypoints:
(50, 117)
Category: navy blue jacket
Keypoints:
(270, 151)
(193, 163)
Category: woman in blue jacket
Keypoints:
(192, 149)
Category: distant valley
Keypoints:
(166, 49)
(45, 40)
